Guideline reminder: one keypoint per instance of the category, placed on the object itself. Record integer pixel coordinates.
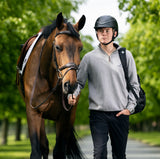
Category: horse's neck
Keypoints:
(46, 58)
(52, 78)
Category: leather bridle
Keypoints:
(60, 76)
(70, 66)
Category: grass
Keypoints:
(15, 149)
(151, 138)
(21, 149)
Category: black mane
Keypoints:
(47, 30)
(72, 30)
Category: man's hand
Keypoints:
(72, 100)
(124, 112)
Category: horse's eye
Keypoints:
(80, 49)
(58, 48)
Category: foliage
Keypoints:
(143, 41)
(19, 20)
(144, 10)
(151, 138)
(16, 149)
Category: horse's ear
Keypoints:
(59, 21)
(80, 24)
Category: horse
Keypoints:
(49, 75)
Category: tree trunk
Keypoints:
(18, 129)
(5, 125)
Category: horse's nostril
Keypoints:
(69, 88)
(66, 86)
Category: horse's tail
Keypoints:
(73, 148)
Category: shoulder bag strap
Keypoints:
(122, 55)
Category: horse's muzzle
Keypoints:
(69, 88)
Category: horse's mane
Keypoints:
(47, 30)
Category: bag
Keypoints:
(141, 100)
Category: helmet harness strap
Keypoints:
(111, 40)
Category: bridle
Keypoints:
(60, 76)
(70, 66)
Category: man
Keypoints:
(110, 103)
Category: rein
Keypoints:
(60, 76)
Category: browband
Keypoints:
(67, 32)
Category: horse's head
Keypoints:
(66, 49)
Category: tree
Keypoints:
(143, 10)
(143, 41)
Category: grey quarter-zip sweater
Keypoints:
(106, 80)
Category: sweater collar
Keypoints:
(114, 44)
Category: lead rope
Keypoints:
(64, 105)
(52, 91)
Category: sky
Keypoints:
(93, 9)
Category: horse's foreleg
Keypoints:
(34, 126)
(44, 141)
(66, 142)
(59, 151)
(60, 148)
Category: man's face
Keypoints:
(105, 34)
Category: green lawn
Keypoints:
(15, 149)
(21, 149)
(151, 138)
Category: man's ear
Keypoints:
(115, 33)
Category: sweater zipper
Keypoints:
(109, 58)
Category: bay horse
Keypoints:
(49, 76)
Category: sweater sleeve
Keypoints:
(82, 75)
(132, 74)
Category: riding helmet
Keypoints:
(106, 21)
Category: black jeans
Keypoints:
(105, 124)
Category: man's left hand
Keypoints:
(124, 112)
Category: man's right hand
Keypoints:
(72, 100)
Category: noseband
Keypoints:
(70, 66)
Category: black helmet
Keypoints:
(106, 21)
